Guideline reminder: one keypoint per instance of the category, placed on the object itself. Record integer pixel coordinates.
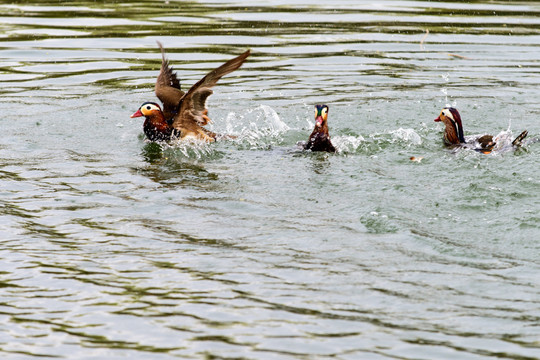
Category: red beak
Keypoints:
(438, 119)
(318, 121)
(137, 114)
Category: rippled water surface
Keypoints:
(113, 247)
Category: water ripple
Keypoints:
(251, 247)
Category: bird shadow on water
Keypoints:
(170, 168)
(320, 163)
(152, 153)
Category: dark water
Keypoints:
(252, 249)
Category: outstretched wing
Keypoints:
(518, 141)
(168, 87)
(192, 108)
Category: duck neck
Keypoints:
(323, 129)
(453, 133)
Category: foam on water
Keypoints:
(503, 142)
(347, 143)
(185, 148)
(256, 127)
(408, 136)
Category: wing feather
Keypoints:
(168, 87)
(192, 107)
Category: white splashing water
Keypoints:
(273, 119)
(347, 143)
(453, 104)
(260, 126)
(351, 144)
(504, 140)
(407, 135)
(190, 147)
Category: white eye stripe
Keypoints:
(149, 107)
(448, 114)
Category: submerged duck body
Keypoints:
(319, 140)
(453, 133)
(183, 114)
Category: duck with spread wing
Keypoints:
(184, 115)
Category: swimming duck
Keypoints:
(319, 140)
(183, 114)
(453, 133)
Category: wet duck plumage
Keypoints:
(453, 133)
(319, 140)
(183, 114)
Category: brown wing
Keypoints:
(192, 110)
(168, 87)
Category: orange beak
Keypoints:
(137, 114)
(438, 119)
(318, 121)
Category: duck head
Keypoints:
(155, 126)
(319, 140)
(453, 133)
(148, 110)
(321, 115)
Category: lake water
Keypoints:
(113, 247)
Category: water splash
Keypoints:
(453, 104)
(407, 135)
(444, 90)
(257, 127)
(376, 142)
(262, 113)
(347, 144)
(503, 142)
(188, 148)
(273, 119)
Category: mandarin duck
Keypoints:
(319, 140)
(183, 114)
(453, 133)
